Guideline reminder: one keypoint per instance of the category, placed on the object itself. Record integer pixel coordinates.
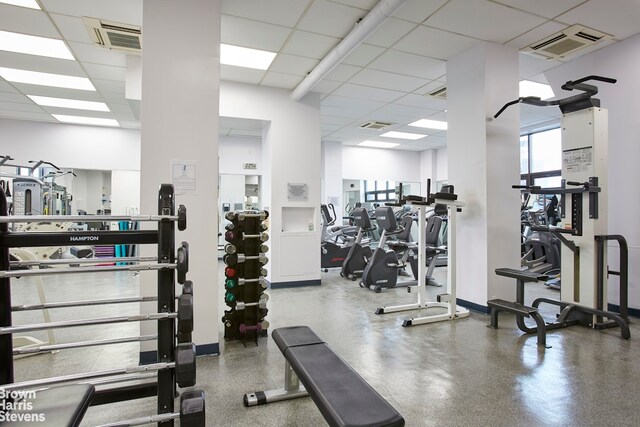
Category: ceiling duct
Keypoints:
(375, 125)
(114, 36)
(566, 42)
(439, 93)
(363, 29)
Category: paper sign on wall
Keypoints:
(297, 192)
(183, 176)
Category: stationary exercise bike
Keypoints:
(382, 269)
(356, 260)
(336, 240)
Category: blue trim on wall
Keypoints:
(149, 357)
(633, 312)
(296, 284)
(473, 306)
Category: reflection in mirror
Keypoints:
(372, 193)
(237, 192)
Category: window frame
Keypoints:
(530, 177)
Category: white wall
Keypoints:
(442, 164)
(332, 175)
(125, 192)
(379, 164)
(291, 154)
(619, 61)
(71, 146)
(234, 151)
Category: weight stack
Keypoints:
(245, 281)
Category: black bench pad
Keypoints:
(342, 396)
(62, 406)
(524, 275)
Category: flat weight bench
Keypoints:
(343, 397)
(62, 406)
(517, 307)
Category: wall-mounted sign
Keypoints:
(249, 166)
(577, 159)
(297, 192)
(183, 176)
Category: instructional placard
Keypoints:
(297, 192)
(577, 159)
(183, 176)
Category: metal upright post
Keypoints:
(422, 254)
(166, 302)
(6, 343)
(452, 263)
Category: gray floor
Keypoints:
(444, 374)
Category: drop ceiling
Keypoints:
(388, 78)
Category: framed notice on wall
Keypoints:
(183, 176)
(297, 192)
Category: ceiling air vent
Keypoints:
(113, 35)
(375, 125)
(439, 93)
(566, 42)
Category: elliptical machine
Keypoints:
(359, 254)
(382, 269)
(336, 242)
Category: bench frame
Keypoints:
(292, 390)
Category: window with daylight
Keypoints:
(541, 158)
(379, 191)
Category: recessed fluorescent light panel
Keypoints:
(378, 144)
(541, 90)
(245, 57)
(46, 79)
(85, 120)
(33, 45)
(46, 101)
(430, 124)
(402, 135)
(31, 4)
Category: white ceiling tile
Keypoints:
(256, 35)
(538, 33)
(97, 55)
(129, 125)
(41, 64)
(335, 120)
(530, 65)
(382, 79)
(546, 8)
(26, 21)
(409, 64)
(109, 86)
(344, 102)
(20, 106)
(404, 110)
(390, 32)
(14, 97)
(311, 45)
(427, 103)
(121, 11)
(362, 4)
(57, 92)
(106, 72)
(123, 116)
(362, 92)
(290, 64)
(429, 87)
(325, 86)
(280, 12)
(342, 112)
(72, 28)
(342, 72)
(483, 20)
(619, 19)
(362, 55)
(434, 43)
(281, 80)
(331, 19)
(398, 119)
(111, 97)
(24, 115)
(119, 108)
(418, 10)
(6, 87)
(241, 74)
(81, 113)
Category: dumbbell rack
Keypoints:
(173, 346)
(245, 281)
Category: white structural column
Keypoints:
(484, 162)
(291, 176)
(428, 167)
(332, 175)
(179, 116)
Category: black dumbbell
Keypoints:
(187, 287)
(192, 409)
(185, 370)
(182, 218)
(182, 262)
(185, 317)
